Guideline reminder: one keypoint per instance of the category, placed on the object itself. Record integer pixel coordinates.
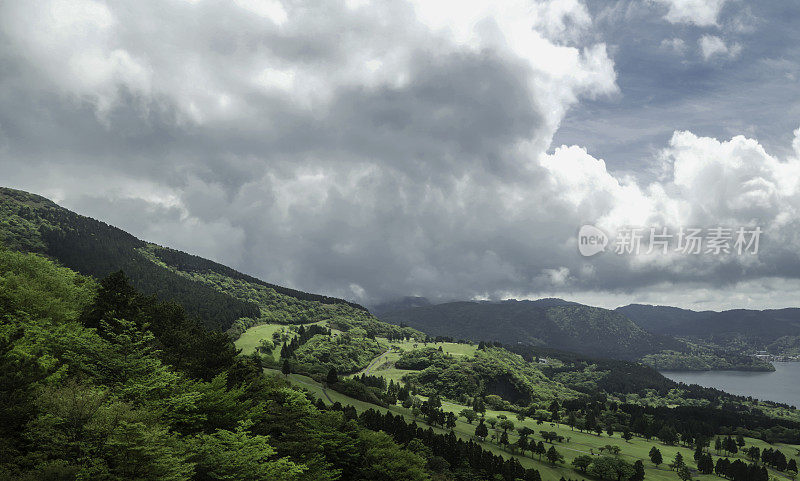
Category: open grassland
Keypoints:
(575, 443)
(250, 339)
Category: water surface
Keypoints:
(783, 385)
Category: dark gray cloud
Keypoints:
(372, 151)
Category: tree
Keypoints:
(705, 464)
(478, 405)
(684, 473)
(540, 450)
(668, 435)
(481, 431)
(286, 369)
(506, 424)
(522, 444)
(554, 456)
(554, 408)
(240, 455)
(468, 414)
(582, 462)
(265, 346)
(638, 471)
(655, 456)
(572, 420)
(385, 460)
(678, 462)
(610, 468)
(504, 439)
(626, 435)
(332, 377)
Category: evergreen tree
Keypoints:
(286, 369)
(638, 471)
(678, 462)
(655, 456)
(481, 431)
(554, 456)
(332, 377)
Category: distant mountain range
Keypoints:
(662, 336)
(546, 322)
(774, 330)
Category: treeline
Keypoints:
(34, 224)
(457, 453)
(103, 382)
(685, 424)
(93, 248)
(192, 263)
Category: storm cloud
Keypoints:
(372, 150)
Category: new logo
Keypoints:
(591, 240)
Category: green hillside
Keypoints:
(218, 295)
(99, 380)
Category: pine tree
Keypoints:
(481, 431)
(332, 377)
(638, 471)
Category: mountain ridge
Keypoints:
(33, 223)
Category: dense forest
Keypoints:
(100, 381)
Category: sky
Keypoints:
(448, 149)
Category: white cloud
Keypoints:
(674, 44)
(368, 150)
(713, 46)
(698, 12)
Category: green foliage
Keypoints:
(419, 359)
(239, 455)
(700, 359)
(31, 223)
(493, 371)
(345, 353)
(610, 468)
(31, 285)
(96, 386)
(383, 459)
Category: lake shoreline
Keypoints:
(781, 385)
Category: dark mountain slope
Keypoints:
(587, 330)
(660, 319)
(758, 328)
(31, 223)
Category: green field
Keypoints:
(250, 339)
(579, 443)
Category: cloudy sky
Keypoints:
(449, 149)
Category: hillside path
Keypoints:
(367, 370)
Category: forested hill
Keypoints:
(777, 330)
(216, 294)
(573, 327)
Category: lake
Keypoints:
(783, 385)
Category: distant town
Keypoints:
(765, 356)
